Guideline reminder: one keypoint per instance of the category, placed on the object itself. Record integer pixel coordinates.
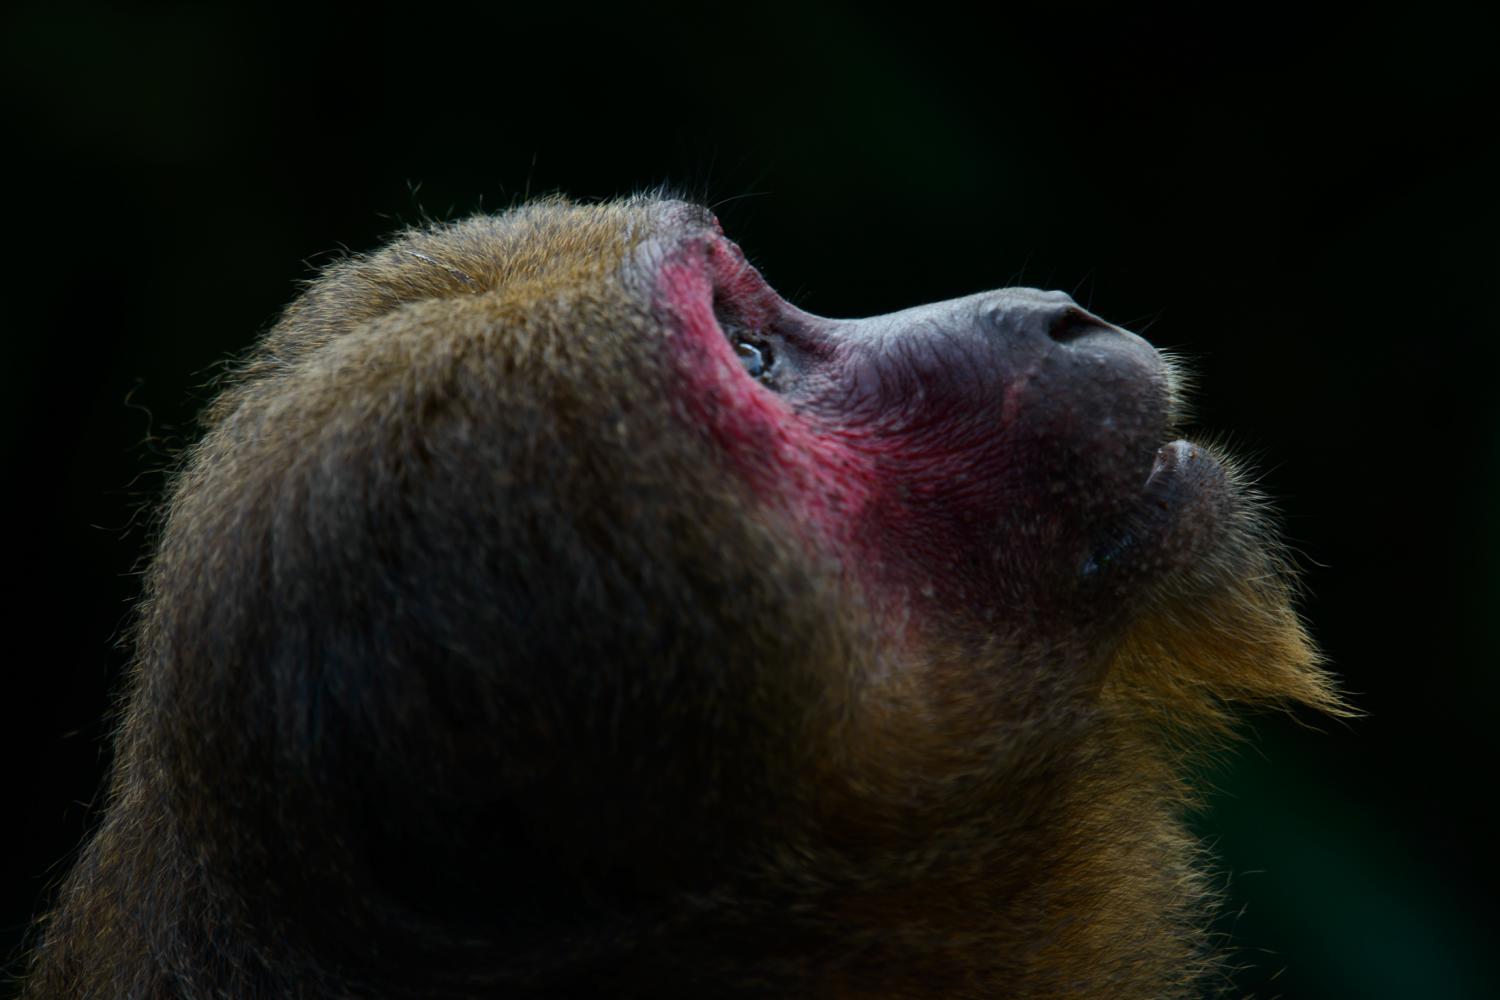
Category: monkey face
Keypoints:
(997, 462)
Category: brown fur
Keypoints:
(467, 667)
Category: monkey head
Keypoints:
(551, 608)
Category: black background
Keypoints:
(1306, 209)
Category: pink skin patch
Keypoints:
(848, 483)
(822, 473)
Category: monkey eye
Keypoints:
(745, 338)
(756, 358)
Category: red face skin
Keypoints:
(996, 457)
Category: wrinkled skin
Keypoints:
(551, 609)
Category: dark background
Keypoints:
(1306, 209)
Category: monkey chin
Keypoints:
(1215, 623)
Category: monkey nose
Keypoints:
(1068, 322)
(1032, 312)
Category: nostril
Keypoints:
(1070, 322)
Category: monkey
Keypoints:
(551, 609)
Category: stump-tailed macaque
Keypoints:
(550, 609)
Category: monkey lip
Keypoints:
(1184, 479)
(1170, 459)
(1183, 498)
(1163, 527)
